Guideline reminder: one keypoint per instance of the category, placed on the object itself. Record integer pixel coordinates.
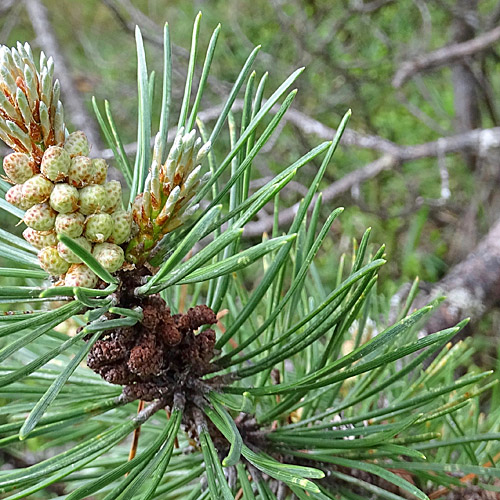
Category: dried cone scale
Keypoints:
(62, 190)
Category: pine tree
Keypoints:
(148, 352)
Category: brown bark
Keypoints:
(472, 287)
(467, 111)
(467, 117)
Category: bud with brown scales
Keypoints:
(161, 352)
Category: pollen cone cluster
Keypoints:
(170, 187)
(62, 190)
(31, 113)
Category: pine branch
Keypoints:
(270, 380)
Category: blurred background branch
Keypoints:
(446, 56)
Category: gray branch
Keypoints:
(474, 140)
(472, 287)
(286, 216)
(445, 56)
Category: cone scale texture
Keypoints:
(62, 190)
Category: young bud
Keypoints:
(80, 275)
(98, 227)
(14, 196)
(137, 208)
(68, 255)
(146, 204)
(188, 141)
(100, 171)
(40, 239)
(81, 172)
(192, 180)
(169, 206)
(70, 224)
(51, 261)
(18, 167)
(122, 222)
(196, 147)
(205, 149)
(37, 190)
(64, 198)
(76, 144)
(40, 217)
(113, 194)
(55, 163)
(92, 199)
(110, 256)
